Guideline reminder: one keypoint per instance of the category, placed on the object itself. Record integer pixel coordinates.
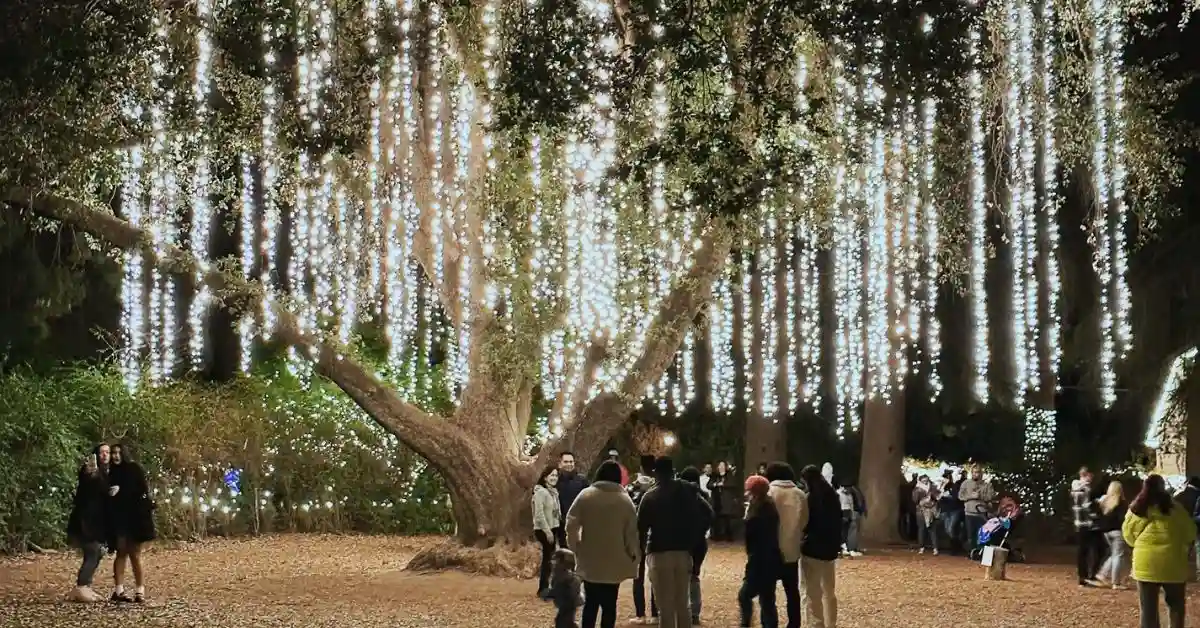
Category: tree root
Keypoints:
(501, 560)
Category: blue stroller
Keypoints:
(997, 530)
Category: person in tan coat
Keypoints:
(792, 504)
(602, 531)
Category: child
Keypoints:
(764, 562)
(565, 589)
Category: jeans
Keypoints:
(1117, 563)
(820, 595)
(927, 532)
(698, 555)
(758, 587)
(92, 553)
(790, 578)
(1148, 603)
(670, 575)
(850, 530)
(952, 521)
(639, 593)
(1087, 554)
(547, 543)
(600, 599)
(973, 524)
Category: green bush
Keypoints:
(309, 460)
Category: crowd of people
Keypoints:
(949, 512)
(657, 525)
(112, 511)
(1148, 539)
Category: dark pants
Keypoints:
(599, 599)
(694, 596)
(639, 592)
(722, 528)
(973, 524)
(764, 590)
(790, 577)
(547, 543)
(1148, 603)
(92, 553)
(1088, 554)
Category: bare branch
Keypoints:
(429, 437)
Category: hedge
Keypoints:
(260, 454)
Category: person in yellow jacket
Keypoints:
(1160, 533)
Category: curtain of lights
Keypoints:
(342, 240)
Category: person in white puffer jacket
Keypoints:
(792, 504)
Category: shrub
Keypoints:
(260, 454)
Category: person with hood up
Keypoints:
(602, 530)
(672, 516)
(792, 506)
(764, 561)
(1159, 531)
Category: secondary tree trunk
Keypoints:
(879, 472)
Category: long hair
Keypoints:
(817, 486)
(1153, 493)
(550, 468)
(1112, 498)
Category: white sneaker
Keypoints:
(935, 552)
(85, 595)
(856, 553)
(921, 551)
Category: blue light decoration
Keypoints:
(233, 480)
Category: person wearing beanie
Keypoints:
(672, 517)
(764, 561)
(792, 506)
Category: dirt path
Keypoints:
(358, 582)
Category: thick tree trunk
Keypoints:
(879, 474)
(490, 498)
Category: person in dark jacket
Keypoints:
(691, 475)
(1189, 498)
(818, 555)
(764, 561)
(570, 485)
(566, 589)
(726, 501)
(131, 520)
(673, 517)
(637, 489)
(86, 526)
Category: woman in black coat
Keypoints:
(131, 520)
(764, 561)
(87, 524)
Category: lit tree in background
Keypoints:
(556, 203)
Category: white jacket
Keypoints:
(792, 504)
(547, 513)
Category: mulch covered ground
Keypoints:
(358, 582)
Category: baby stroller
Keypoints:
(998, 529)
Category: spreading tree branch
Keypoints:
(595, 422)
(435, 440)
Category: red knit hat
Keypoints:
(757, 485)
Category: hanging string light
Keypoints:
(1101, 175)
(133, 289)
(1049, 182)
(249, 229)
(201, 214)
(161, 198)
(930, 243)
(980, 357)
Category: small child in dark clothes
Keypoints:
(565, 589)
